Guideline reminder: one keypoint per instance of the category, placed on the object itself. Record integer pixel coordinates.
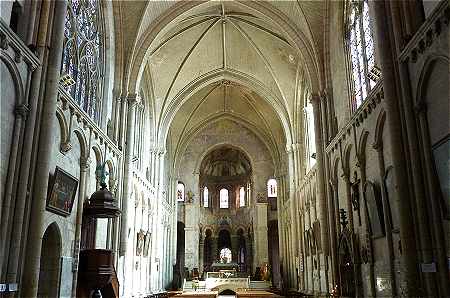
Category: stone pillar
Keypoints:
(21, 112)
(84, 165)
(416, 171)
(191, 237)
(116, 117)
(128, 172)
(293, 243)
(321, 194)
(410, 276)
(201, 254)
(34, 241)
(25, 172)
(261, 246)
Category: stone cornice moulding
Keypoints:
(427, 33)
(9, 39)
(372, 100)
(83, 117)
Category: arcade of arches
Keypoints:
(300, 147)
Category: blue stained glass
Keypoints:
(83, 52)
(361, 50)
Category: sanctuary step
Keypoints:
(260, 285)
(188, 286)
(197, 294)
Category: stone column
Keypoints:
(34, 241)
(321, 194)
(416, 171)
(410, 276)
(25, 172)
(128, 172)
(292, 191)
(21, 112)
(201, 254)
(191, 236)
(261, 246)
(436, 220)
(116, 118)
(84, 165)
(387, 220)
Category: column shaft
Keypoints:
(34, 245)
(410, 278)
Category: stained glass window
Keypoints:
(272, 188)
(242, 197)
(83, 54)
(364, 72)
(205, 197)
(223, 200)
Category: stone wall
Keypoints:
(223, 133)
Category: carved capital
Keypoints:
(65, 147)
(4, 42)
(133, 99)
(22, 111)
(85, 162)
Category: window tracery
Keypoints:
(361, 50)
(83, 54)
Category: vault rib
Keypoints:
(266, 63)
(195, 110)
(182, 31)
(183, 63)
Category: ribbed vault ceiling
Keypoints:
(228, 59)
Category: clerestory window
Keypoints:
(361, 50)
(223, 198)
(82, 61)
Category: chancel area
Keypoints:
(156, 149)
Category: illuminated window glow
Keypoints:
(205, 197)
(223, 203)
(361, 51)
(242, 197)
(272, 188)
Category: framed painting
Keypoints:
(62, 193)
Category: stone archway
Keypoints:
(50, 263)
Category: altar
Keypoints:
(225, 280)
(216, 267)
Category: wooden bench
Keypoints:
(211, 294)
(255, 294)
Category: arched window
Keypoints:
(180, 192)
(241, 196)
(205, 197)
(310, 132)
(272, 188)
(223, 203)
(83, 54)
(225, 255)
(361, 48)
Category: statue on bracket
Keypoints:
(190, 197)
(355, 194)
